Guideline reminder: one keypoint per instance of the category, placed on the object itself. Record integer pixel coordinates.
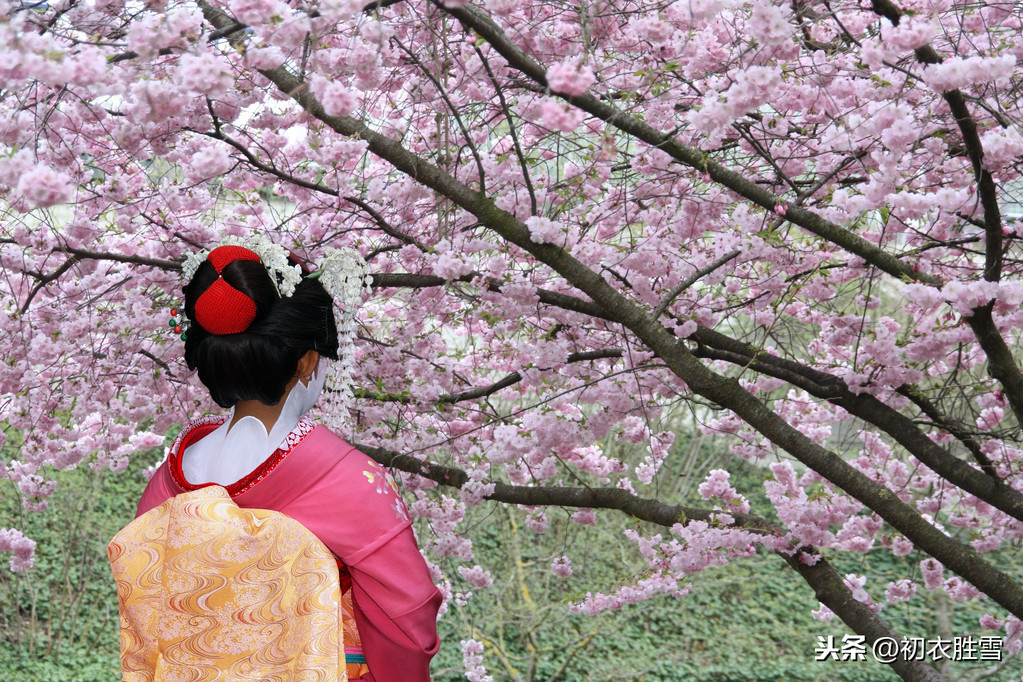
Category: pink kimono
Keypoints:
(349, 502)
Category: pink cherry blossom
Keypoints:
(717, 486)
(770, 24)
(911, 33)
(585, 517)
(562, 566)
(570, 77)
(476, 575)
(472, 653)
(932, 572)
(957, 72)
(989, 622)
(543, 231)
(337, 100)
(204, 73)
(823, 614)
(43, 186)
(210, 161)
(560, 116)
(21, 548)
(899, 591)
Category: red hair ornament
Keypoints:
(222, 309)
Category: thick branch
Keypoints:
(84, 254)
(410, 280)
(831, 590)
(646, 509)
(224, 32)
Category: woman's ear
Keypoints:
(307, 365)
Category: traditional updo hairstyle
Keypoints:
(244, 338)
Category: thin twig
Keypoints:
(690, 281)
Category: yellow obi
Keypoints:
(209, 591)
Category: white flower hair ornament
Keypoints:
(342, 272)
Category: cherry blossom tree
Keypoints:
(790, 222)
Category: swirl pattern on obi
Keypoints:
(211, 591)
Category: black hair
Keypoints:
(258, 363)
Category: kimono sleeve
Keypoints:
(364, 521)
(396, 610)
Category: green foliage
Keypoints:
(745, 621)
(58, 621)
(81, 665)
